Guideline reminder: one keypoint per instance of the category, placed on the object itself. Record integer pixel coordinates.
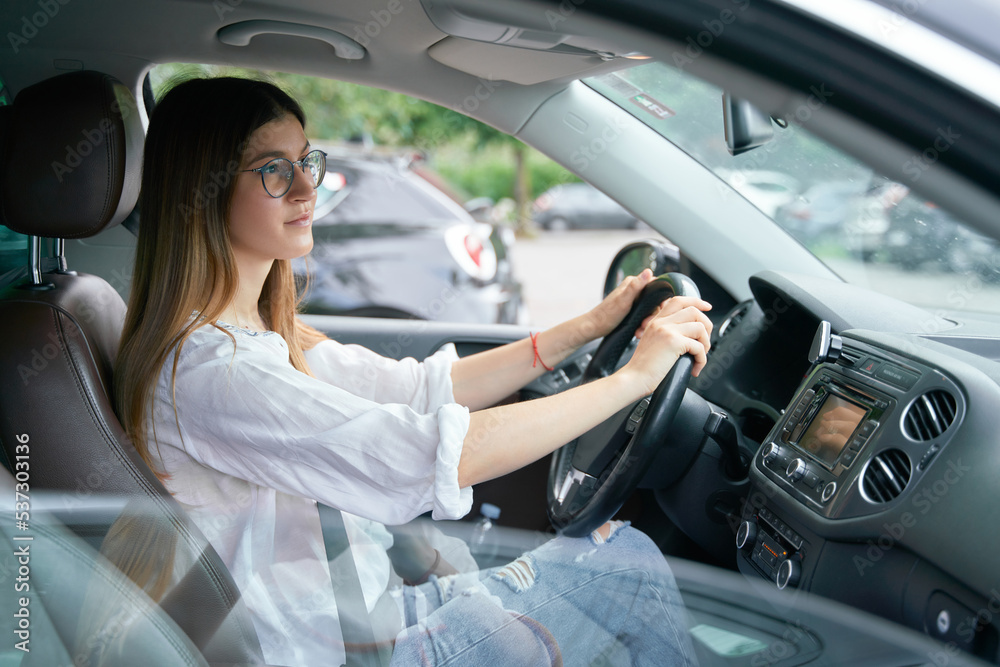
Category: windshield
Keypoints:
(869, 229)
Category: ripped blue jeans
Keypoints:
(572, 601)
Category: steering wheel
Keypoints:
(591, 477)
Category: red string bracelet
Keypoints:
(538, 358)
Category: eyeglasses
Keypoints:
(277, 174)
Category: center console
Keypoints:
(860, 430)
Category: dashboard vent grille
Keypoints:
(849, 357)
(886, 476)
(732, 321)
(930, 415)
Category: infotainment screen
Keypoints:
(831, 428)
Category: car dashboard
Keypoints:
(875, 466)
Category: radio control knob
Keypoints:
(788, 574)
(828, 491)
(796, 470)
(771, 453)
(746, 535)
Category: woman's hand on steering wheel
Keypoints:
(605, 316)
(674, 330)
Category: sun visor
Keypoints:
(506, 63)
(534, 51)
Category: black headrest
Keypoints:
(74, 156)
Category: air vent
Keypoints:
(886, 476)
(849, 357)
(733, 320)
(930, 415)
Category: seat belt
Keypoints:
(360, 647)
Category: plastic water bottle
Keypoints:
(483, 543)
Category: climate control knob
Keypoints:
(796, 470)
(788, 574)
(771, 453)
(746, 535)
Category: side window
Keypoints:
(13, 254)
(428, 214)
(13, 246)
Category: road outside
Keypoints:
(563, 273)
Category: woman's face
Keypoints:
(262, 227)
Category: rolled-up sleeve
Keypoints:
(248, 413)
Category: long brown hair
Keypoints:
(184, 261)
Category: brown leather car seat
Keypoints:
(70, 168)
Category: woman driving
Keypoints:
(250, 417)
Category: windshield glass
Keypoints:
(872, 231)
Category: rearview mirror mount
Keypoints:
(746, 126)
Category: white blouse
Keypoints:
(256, 443)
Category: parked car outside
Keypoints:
(818, 211)
(388, 243)
(767, 190)
(923, 236)
(853, 213)
(580, 206)
(868, 217)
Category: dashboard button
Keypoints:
(869, 366)
(895, 375)
(828, 491)
(796, 470)
(811, 479)
(868, 428)
(788, 574)
(848, 458)
(747, 534)
(930, 454)
(857, 443)
(771, 453)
